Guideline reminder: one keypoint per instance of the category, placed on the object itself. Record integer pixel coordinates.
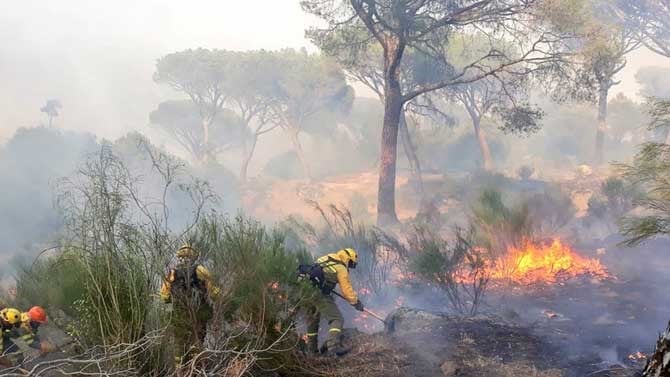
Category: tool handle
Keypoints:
(376, 316)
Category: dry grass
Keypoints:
(371, 356)
(480, 366)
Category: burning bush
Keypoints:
(538, 262)
(517, 237)
(499, 226)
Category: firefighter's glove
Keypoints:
(46, 347)
(359, 306)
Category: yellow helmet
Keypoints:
(11, 316)
(186, 251)
(348, 256)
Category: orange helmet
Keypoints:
(38, 314)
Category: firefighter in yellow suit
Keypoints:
(190, 288)
(336, 271)
(10, 320)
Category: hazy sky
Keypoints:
(98, 57)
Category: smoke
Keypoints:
(98, 61)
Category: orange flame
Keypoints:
(546, 263)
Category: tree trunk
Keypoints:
(248, 154)
(393, 104)
(410, 152)
(386, 214)
(205, 140)
(602, 124)
(487, 162)
(297, 147)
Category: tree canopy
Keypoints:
(202, 75)
(426, 26)
(180, 119)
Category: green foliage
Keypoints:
(54, 281)
(469, 189)
(450, 153)
(498, 220)
(308, 88)
(597, 207)
(550, 209)
(199, 73)
(249, 259)
(457, 268)
(650, 171)
(616, 197)
(257, 274)
(181, 121)
(114, 254)
(501, 221)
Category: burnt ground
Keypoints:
(424, 344)
(478, 346)
(580, 327)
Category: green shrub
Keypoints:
(114, 257)
(257, 274)
(457, 268)
(615, 198)
(54, 281)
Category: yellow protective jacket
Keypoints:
(336, 272)
(27, 333)
(8, 329)
(201, 273)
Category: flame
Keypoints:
(544, 263)
(365, 291)
(637, 357)
(274, 285)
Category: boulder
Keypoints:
(404, 320)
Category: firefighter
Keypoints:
(27, 331)
(190, 289)
(335, 267)
(10, 320)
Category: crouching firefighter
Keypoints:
(30, 324)
(191, 290)
(326, 273)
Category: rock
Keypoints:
(449, 368)
(405, 320)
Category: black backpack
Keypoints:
(313, 272)
(186, 284)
